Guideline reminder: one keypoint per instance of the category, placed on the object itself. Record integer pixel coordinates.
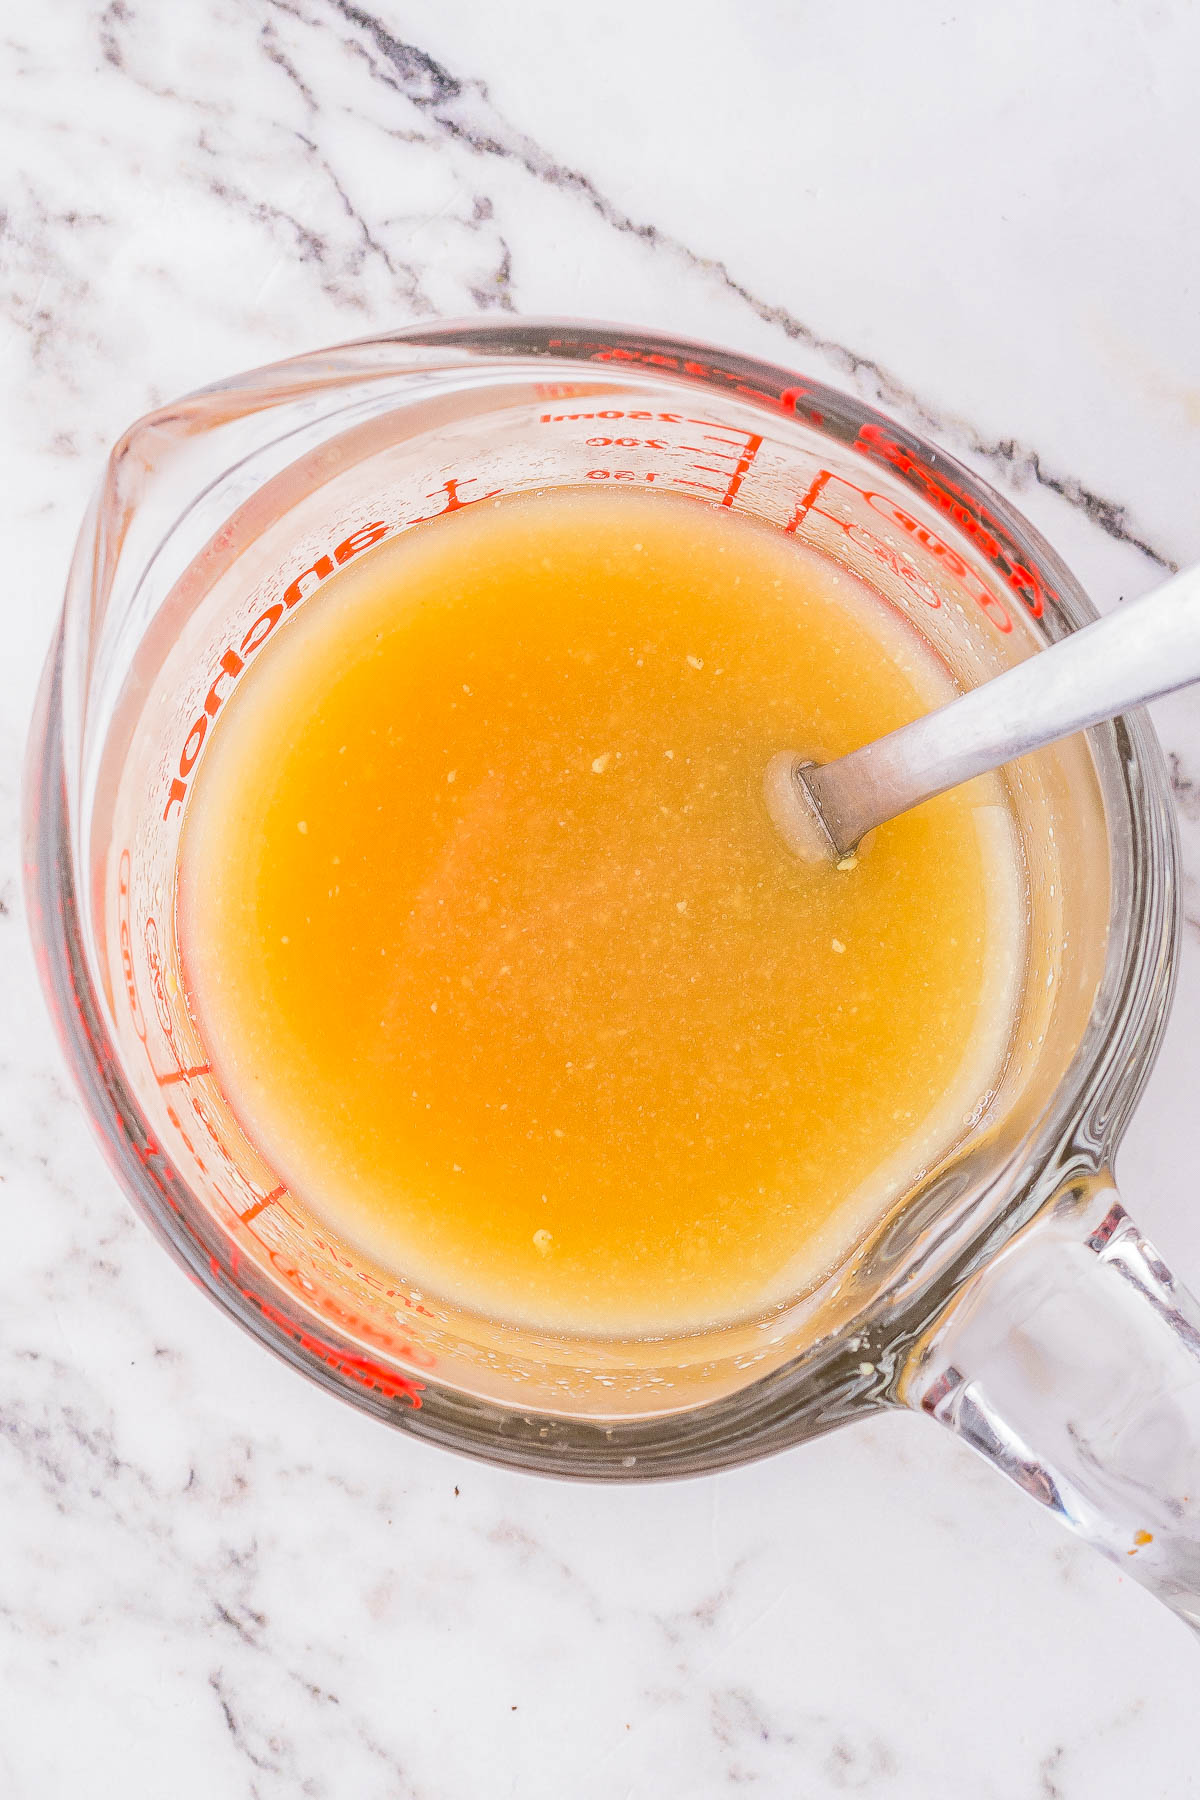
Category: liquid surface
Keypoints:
(503, 965)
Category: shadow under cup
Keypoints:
(222, 517)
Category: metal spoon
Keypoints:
(1147, 648)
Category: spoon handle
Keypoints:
(1148, 647)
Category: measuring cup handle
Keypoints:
(1072, 1363)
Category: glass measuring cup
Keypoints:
(1006, 1294)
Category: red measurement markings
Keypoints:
(619, 475)
(787, 402)
(620, 412)
(183, 1074)
(627, 443)
(453, 504)
(261, 1201)
(362, 1369)
(741, 451)
(804, 506)
(968, 513)
(261, 1205)
(822, 487)
(125, 936)
(186, 1141)
(721, 448)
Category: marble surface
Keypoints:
(214, 1580)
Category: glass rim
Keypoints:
(1077, 1131)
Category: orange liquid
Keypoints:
(500, 959)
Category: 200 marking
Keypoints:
(628, 443)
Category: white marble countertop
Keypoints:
(215, 1580)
